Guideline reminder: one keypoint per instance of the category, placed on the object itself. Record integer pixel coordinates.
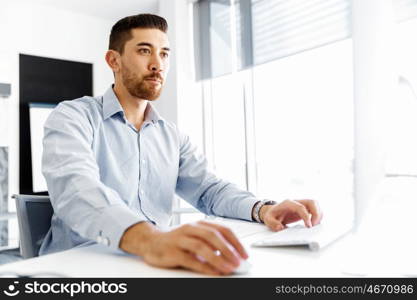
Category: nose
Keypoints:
(155, 64)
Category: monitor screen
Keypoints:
(38, 114)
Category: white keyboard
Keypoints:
(241, 229)
(315, 237)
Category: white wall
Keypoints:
(34, 29)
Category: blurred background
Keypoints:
(288, 99)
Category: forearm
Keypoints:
(95, 212)
(227, 200)
(137, 237)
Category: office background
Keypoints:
(288, 99)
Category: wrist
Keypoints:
(137, 237)
(258, 207)
(263, 211)
(254, 210)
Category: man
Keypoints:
(113, 166)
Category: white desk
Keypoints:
(100, 261)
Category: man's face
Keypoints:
(145, 63)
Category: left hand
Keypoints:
(277, 216)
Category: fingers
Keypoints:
(274, 224)
(215, 239)
(208, 255)
(302, 212)
(230, 237)
(190, 261)
(314, 209)
(290, 211)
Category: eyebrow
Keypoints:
(151, 46)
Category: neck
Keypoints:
(133, 107)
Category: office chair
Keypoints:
(34, 215)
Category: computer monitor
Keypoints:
(38, 114)
(44, 80)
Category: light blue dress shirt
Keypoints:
(103, 175)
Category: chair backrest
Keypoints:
(34, 215)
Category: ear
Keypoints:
(113, 60)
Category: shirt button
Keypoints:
(143, 161)
(141, 192)
(103, 240)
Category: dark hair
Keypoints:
(121, 31)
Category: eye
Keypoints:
(164, 54)
(144, 51)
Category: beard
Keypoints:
(137, 86)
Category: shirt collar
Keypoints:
(152, 115)
(111, 106)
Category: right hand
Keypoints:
(203, 247)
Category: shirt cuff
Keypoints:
(245, 208)
(114, 221)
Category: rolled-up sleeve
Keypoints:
(201, 188)
(78, 197)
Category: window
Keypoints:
(304, 127)
(229, 129)
(8, 221)
(282, 112)
(401, 146)
(282, 28)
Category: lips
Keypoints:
(154, 79)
